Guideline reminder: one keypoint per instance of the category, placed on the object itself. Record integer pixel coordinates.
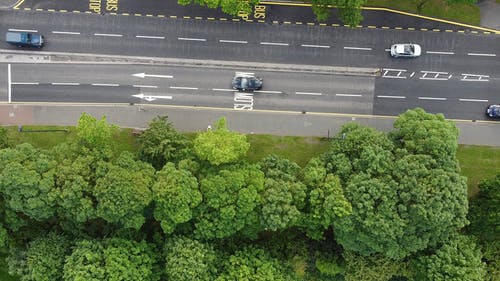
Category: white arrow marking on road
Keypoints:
(143, 75)
(151, 98)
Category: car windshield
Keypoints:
(409, 49)
(244, 82)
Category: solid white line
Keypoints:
(66, 84)
(105, 85)
(23, 30)
(145, 86)
(392, 97)
(315, 46)
(191, 39)
(473, 100)
(305, 93)
(66, 32)
(348, 95)
(107, 34)
(9, 81)
(393, 69)
(25, 83)
(274, 44)
(268, 92)
(233, 41)
(440, 53)
(430, 98)
(150, 37)
(224, 90)
(183, 88)
(358, 48)
(478, 54)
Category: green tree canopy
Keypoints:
(187, 259)
(95, 136)
(231, 202)
(43, 260)
(458, 259)
(485, 210)
(326, 200)
(374, 268)
(161, 143)
(283, 196)
(220, 145)
(123, 190)
(253, 264)
(27, 181)
(231, 7)
(176, 194)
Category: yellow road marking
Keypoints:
(138, 15)
(161, 16)
(126, 14)
(385, 27)
(186, 17)
(149, 15)
(372, 26)
(411, 28)
(19, 3)
(76, 12)
(173, 17)
(435, 29)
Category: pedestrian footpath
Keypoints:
(490, 13)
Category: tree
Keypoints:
(419, 132)
(231, 7)
(3, 237)
(326, 200)
(284, 195)
(220, 145)
(350, 11)
(176, 194)
(113, 259)
(457, 259)
(161, 143)
(5, 138)
(187, 259)
(231, 202)
(419, 206)
(86, 262)
(95, 136)
(373, 268)
(251, 264)
(27, 181)
(485, 210)
(123, 190)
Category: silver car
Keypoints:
(407, 50)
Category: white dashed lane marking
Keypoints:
(440, 53)
(473, 100)
(479, 54)
(23, 30)
(183, 88)
(105, 85)
(392, 97)
(315, 46)
(150, 37)
(306, 93)
(24, 83)
(65, 84)
(348, 95)
(430, 98)
(145, 86)
(108, 34)
(233, 41)
(66, 32)
(191, 39)
(224, 90)
(274, 44)
(358, 48)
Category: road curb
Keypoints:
(15, 56)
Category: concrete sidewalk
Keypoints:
(192, 119)
(490, 13)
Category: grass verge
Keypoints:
(478, 163)
(460, 12)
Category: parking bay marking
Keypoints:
(243, 101)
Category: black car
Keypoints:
(246, 82)
(493, 111)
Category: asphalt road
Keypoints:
(264, 13)
(458, 74)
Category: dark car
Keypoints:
(493, 111)
(246, 82)
(24, 39)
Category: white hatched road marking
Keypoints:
(440, 53)
(66, 84)
(475, 77)
(191, 39)
(479, 54)
(150, 37)
(436, 75)
(183, 88)
(392, 97)
(430, 98)
(105, 85)
(108, 34)
(274, 44)
(233, 41)
(399, 75)
(315, 46)
(306, 93)
(358, 48)
(66, 32)
(23, 30)
(473, 100)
